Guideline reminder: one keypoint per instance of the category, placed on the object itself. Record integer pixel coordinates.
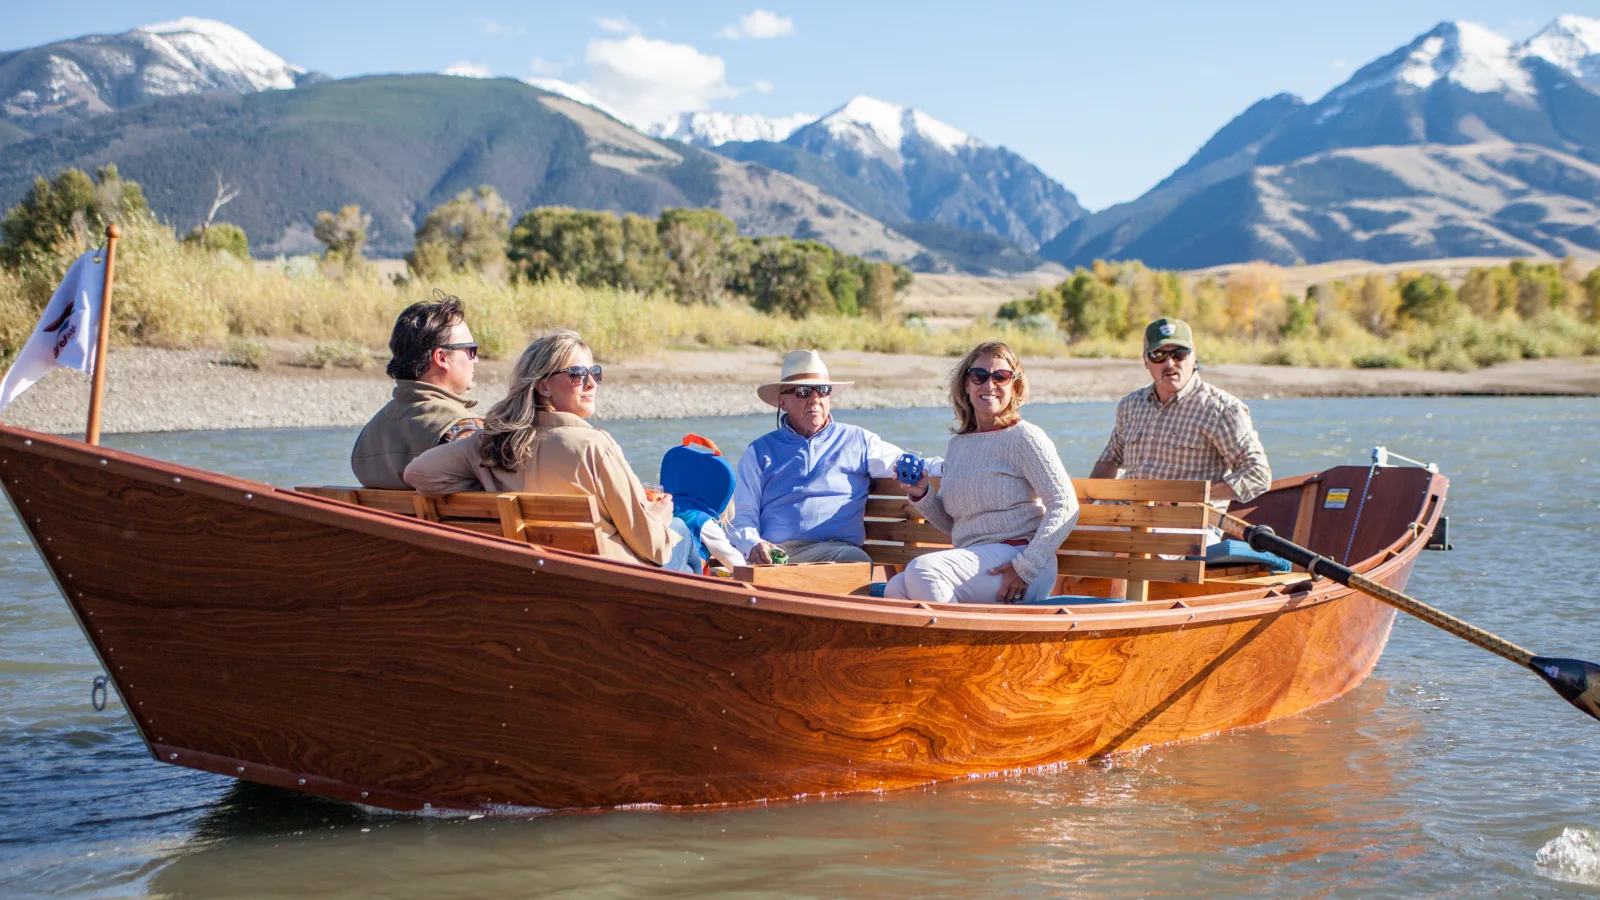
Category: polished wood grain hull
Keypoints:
(283, 639)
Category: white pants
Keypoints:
(959, 576)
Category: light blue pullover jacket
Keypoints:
(793, 488)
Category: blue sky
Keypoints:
(1108, 98)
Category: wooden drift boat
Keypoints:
(298, 641)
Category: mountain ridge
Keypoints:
(1458, 97)
(398, 145)
(69, 81)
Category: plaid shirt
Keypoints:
(1203, 433)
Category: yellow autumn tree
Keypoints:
(1254, 299)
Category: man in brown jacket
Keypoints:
(433, 358)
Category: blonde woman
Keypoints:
(538, 439)
(1004, 499)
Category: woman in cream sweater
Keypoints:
(539, 439)
(1005, 499)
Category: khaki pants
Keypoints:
(824, 551)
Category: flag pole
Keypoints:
(98, 390)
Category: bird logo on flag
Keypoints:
(62, 319)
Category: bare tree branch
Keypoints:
(225, 193)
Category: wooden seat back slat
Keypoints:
(1096, 489)
(569, 522)
(896, 534)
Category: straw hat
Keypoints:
(800, 367)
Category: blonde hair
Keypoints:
(508, 428)
(966, 416)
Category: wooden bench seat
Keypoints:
(565, 521)
(896, 533)
(1120, 546)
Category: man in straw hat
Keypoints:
(803, 486)
(1181, 428)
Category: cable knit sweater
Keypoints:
(1005, 485)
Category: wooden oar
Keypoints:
(1577, 681)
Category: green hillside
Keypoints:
(397, 145)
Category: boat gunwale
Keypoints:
(1255, 601)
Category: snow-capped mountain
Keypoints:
(1571, 43)
(902, 165)
(1463, 53)
(1459, 143)
(877, 128)
(43, 87)
(1458, 83)
(712, 129)
(192, 55)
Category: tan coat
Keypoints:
(569, 456)
(413, 421)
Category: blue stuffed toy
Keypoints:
(701, 483)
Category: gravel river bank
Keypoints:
(191, 390)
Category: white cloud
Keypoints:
(762, 86)
(758, 24)
(541, 66)
(648, 80)
(1340, 65)
(464, 68)
(616, 25)
(491, 28)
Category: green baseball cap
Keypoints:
(1168, 331)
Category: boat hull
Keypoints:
(264, 635)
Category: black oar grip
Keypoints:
(1263, 538)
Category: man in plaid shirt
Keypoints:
(1180, 428)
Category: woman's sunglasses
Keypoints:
(470, 346)
(980, 375)
(577, 373)
(1160, 356)
(804, 393)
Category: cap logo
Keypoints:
(1166, 329)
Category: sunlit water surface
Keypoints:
(1448, 773)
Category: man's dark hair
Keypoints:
(421, 329)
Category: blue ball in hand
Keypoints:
(908, 468)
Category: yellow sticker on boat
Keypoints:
(1336, 499)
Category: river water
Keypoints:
(1447, 773)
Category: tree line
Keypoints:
(696, 256)
(1117, 299)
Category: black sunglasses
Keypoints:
(980, 375)
(804, 393)
(1160, 356)
(470, 346)
(577, 373)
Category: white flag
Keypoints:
(65, 335)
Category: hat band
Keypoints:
(806, 376)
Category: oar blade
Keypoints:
(1573, 679)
